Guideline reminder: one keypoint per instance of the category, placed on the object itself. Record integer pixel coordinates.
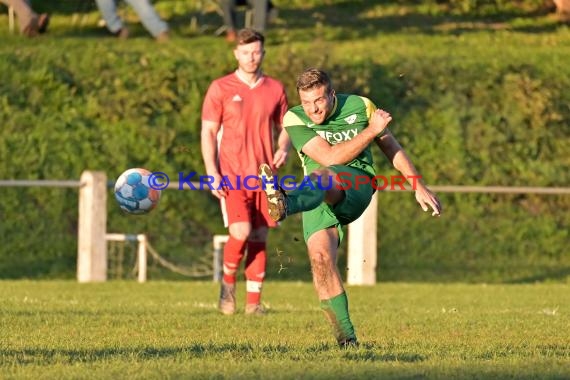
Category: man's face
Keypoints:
(317, 103)
(249, 56)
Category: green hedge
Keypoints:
(475, 108)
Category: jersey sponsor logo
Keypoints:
(310, 125)
(351, 119)
(237, 98)
(338, 137)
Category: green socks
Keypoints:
(336, 311)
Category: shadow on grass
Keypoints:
(48, 356)
(473, 274)
(546, 274)
(371, 356)
(367, 352)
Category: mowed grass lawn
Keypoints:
(62, 329)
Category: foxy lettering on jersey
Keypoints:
(338, 137)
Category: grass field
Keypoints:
(61, 329)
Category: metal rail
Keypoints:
(199, 186)
(493, 189)
(39, 183)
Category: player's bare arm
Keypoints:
(400, 160)
(379, 121)
(209, 145)
(339, 154)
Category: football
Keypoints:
(134, 193)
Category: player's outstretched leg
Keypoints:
(276, 197)
(309, 195)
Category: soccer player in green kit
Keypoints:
(332, 134)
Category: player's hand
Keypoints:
(426, 198)
(379, 120)
(280, 158)
(218, 191)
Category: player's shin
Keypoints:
(255, 271)
(233, 253)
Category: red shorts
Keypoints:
(246, 206)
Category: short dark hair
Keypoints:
(248, 35)
(311, 78)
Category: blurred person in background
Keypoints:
(157, 27)
(31, 24)
(263, 11)
(244, 110)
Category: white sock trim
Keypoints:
(254, 286)
(229, 271)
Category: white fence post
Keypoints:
(142, 248)
(362, 246)
(142, 260)
(92, 246)
(11, 22)
(219, 241)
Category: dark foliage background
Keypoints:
(478, 90)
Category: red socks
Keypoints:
(233, 253)
(255, 270)
(254, 266)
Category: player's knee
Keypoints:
(320, 258)
(240, 231)
(322, 175)
(258, 235)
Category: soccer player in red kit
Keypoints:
(241, 128)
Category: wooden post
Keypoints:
(362, 237)
(92, 245)
(11, 23)
(248, 18)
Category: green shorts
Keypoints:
(356, 200)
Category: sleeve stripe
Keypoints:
(370, 107)
(291, 119)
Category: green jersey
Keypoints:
(350, 115)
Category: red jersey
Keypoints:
(249, 116)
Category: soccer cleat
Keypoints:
(31, 30)
(276, 197)
(227, 303)
(163, 37)
(122, 33)
(231, 36)
(348, 343)
(254, 309)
